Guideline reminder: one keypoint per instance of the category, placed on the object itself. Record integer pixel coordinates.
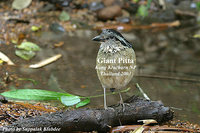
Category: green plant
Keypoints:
(65, 98)
(143, 9)
(198, 6)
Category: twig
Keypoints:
(185, 13)
(113, 93)
(46, 61)
(144, 94)
(128, 27)
(6, 59)
(176, 108)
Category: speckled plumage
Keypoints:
(122, 52)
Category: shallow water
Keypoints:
(165, 67)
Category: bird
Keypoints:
(115, 62)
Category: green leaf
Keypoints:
(1, 62)
(21, 4)
(29, 46)
(142, 11)
(14, 41)
(198, 6)
(70, 100)
(83, 103)
(34, 94)
(64, 16)
(35, 28)
(26, 55)
(197, 36)
(135, 1)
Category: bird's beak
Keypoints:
(98, 38)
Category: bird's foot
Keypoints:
(123, 106)
(108, 108)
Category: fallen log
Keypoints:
(101, 120)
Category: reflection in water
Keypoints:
(162, 54)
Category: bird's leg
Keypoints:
(105, 105)
(121, 100)
(104, 92)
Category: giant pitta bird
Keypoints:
(115, 62)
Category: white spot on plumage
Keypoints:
(112, 46)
